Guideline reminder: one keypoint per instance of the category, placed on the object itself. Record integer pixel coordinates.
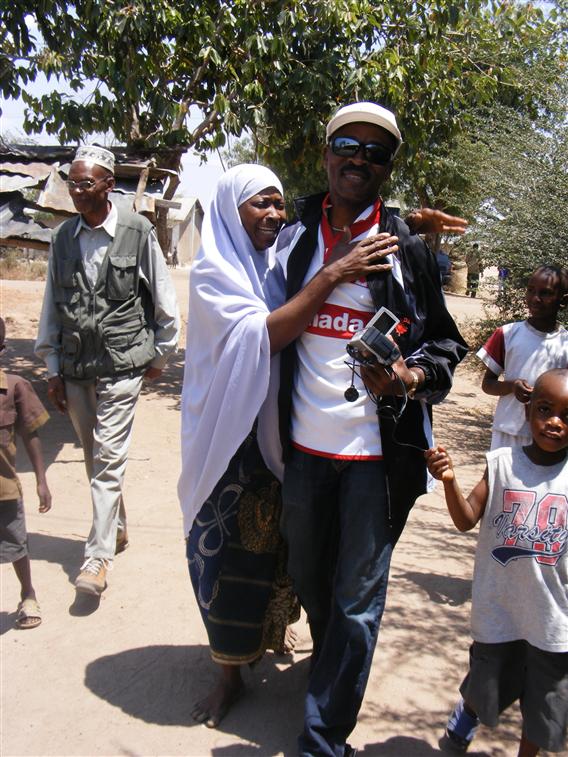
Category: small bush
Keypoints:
(477, 332)
(13, 265)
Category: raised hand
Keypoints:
(432, 221)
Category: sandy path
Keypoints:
(118, 679)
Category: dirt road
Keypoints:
(118, 678)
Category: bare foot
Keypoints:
(219, 701)
(290, 639)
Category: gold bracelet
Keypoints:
(411, 391)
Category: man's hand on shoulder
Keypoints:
(56, 393)
(432, 221)
(151, 373)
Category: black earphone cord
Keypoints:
(382, 412)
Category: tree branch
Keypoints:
(205, 126)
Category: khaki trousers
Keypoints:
(102, 414)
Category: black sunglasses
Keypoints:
(348, 147)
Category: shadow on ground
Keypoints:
(499, 742)
(68, 553)
(170, 382)
(441, 589)
(59, 550)
(8, 621)
(407, 746)
(159, 684)
(58, 431)
(463, 425)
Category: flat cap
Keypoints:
(365, 112)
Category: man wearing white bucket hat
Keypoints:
(109, 320)
(354, 434)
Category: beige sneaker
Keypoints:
(92, 578)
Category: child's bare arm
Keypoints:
(464, 511)
(493, 386)
(32, 444)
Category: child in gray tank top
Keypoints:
(519, 615)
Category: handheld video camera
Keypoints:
(370, 345)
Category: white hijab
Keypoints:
(228, 369)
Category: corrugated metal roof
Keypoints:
(55, 194)
(178, 215)
(132, 158)
(38, 170)
(15, 224)
(47, 167)
(15, 182)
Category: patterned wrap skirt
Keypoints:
(237, 560)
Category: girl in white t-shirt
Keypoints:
(521, 351)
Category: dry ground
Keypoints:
(118, 677)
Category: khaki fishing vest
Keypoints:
(105, 330)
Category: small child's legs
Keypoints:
(14, 549)
(14, 539)
(501, 674)
(461, 728)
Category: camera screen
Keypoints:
(385, 321)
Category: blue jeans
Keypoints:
(335, 522)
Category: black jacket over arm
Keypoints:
(431, 341)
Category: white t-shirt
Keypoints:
(517, 350)
(323, 422)
(520, 581)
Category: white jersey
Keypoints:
(323, 422)
(517, 350)
(520, 582)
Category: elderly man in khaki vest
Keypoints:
(109, 320)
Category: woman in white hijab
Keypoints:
(231, 459)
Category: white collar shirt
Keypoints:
(94, 242)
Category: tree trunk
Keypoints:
(173, 163)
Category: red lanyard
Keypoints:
(331, 238)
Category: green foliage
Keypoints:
(156, 61)
(278, 70)
(515, 187)
(432, 63)
(280, 67)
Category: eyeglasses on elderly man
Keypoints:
(84, 186)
